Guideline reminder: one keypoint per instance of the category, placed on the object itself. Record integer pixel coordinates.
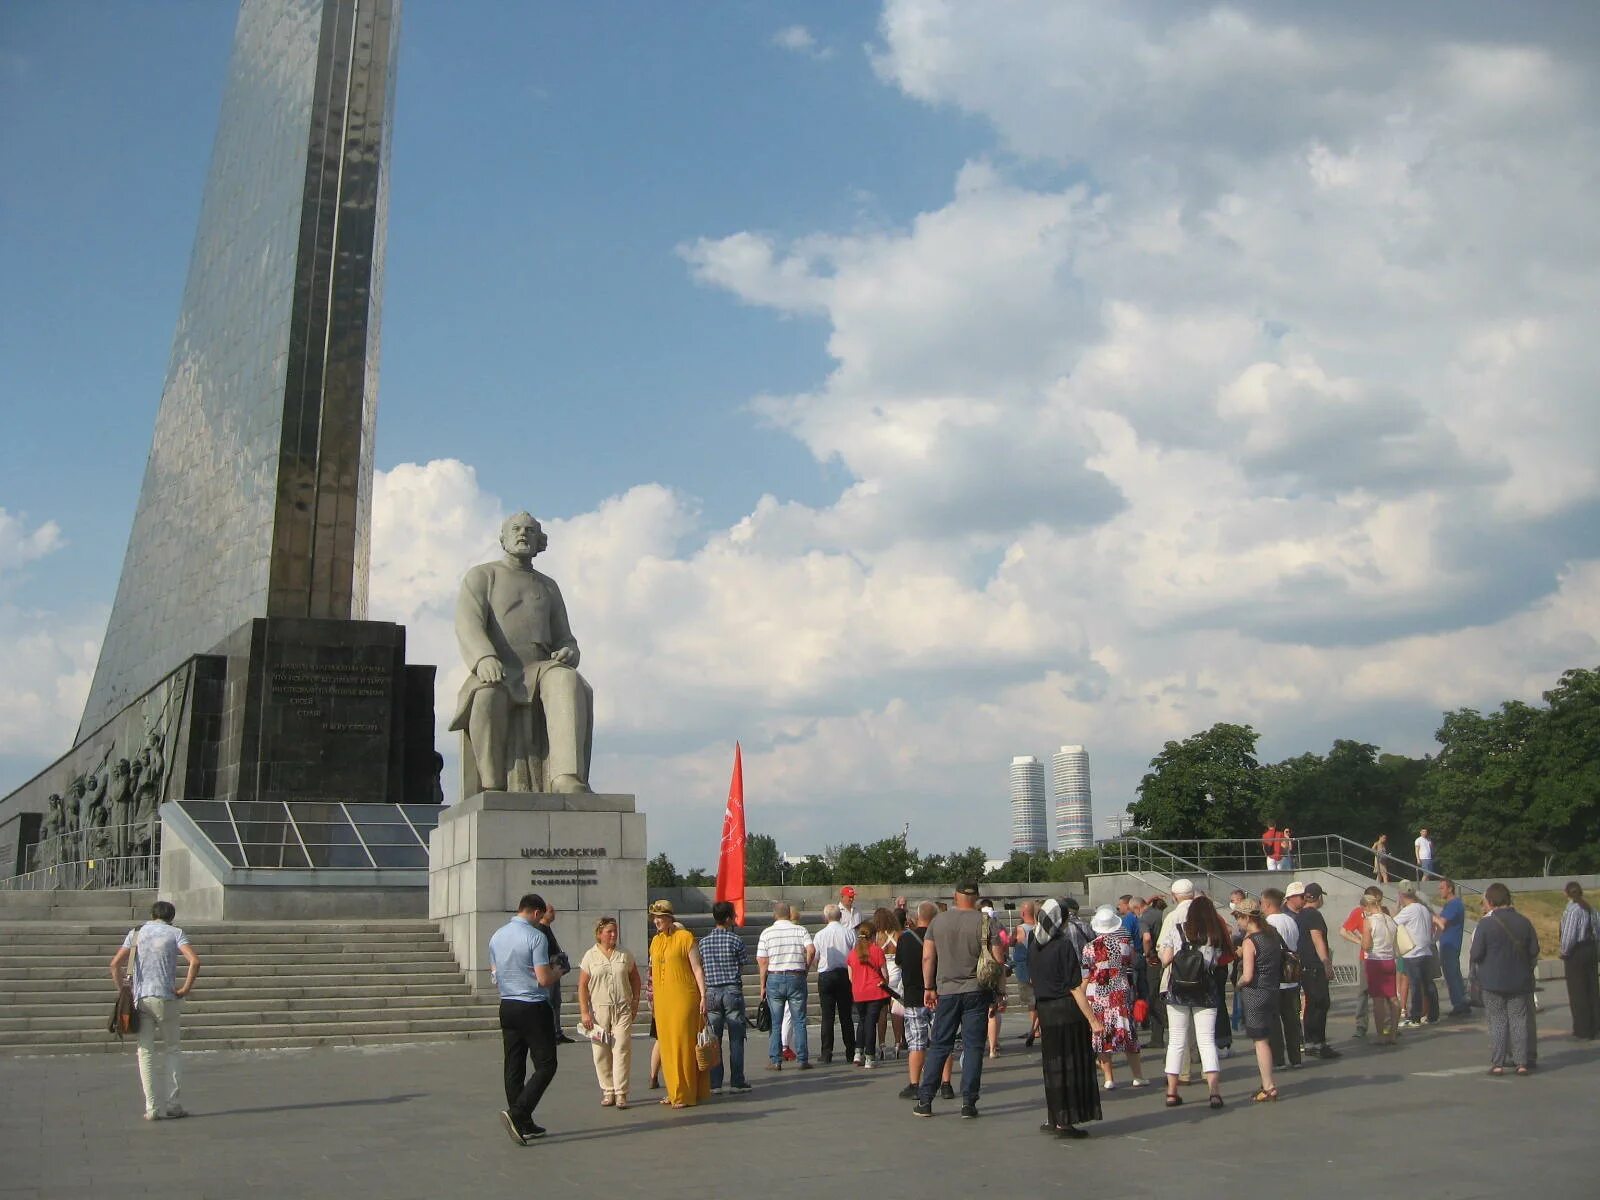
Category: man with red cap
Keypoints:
(848, 916)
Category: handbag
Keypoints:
(707, 1049)
(1404, 943)
(763, 1016)
(125, 1012)
(991, 972)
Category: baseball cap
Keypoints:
(1408, 889)
(847, 890)
(967, 889)
(1314, 891)
(1294, 889)
(1183, 887)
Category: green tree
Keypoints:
(811, 872)
(883, 861)
(660, 873)
(967, 865)
(699, 877)
(760, 860)
(1206, 786)
(1352, 791)
(1564, 756)
(1476, 796)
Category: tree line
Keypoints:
(1515, 791)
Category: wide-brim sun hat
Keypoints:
(661, 908)
(1105, 920)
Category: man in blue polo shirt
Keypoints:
(1449, 925)
(519, 961)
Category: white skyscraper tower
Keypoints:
(1030, 832)
(1069, 772)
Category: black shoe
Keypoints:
(563, 1039)
(531, 1131)
(740, 1087)
(969, 1111)
(922, 1109)
(510, 1122)
(805, 1066)
(826, 1059)
(1328, 1052)
(1029, 1040)
(909, 1092)
(1072, 1131)
(946, 1092)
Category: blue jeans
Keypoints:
(1450, 964)
(790, 991)
(968, 1013)
(1424, 999)
(725, 1009)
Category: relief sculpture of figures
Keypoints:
(526, 713)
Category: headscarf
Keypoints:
(1048, 923)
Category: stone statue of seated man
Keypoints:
(526, 714)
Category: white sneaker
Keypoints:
(1109, 1085)
(857, 1058)
(1140, 1083)
(867, 1063)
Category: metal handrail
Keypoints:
(94, 858)
(1140, 862)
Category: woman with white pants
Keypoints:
(1193, 1007)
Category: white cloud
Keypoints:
(800, 40)
(20, 545)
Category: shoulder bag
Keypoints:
(991, 972)
(1404, 943)
(125, 1012)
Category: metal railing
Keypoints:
(1220, 856)
(1135, 856)
(112, 856)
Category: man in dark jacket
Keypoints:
(1505, 950)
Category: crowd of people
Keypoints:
(928, 984)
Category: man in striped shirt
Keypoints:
(784, 955)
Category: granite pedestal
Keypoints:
(585, 854)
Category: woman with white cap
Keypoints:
(1108, 980)
(1066, 1024)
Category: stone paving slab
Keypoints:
(421, 1121)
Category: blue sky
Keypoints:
(914, 385)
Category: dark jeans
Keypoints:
(1450, 963)
(966, 1013)
(1285, 1034)
(1422, 987)
(1583, 990)
(1158, 1013)
(867, 1026)
(527, 1028)
(725, 1010)
(833, 991)
(1314, 982)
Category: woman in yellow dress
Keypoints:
(680, 1007)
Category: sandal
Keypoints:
(1174, 1101)
(1497, 1070)
(607, 1101)
(1263, 1095)
(622, 1101)
(1522, 1070)
(1215, 1101)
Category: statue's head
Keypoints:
(119, 769)
(521, 536)
(55, 800)
(78, 787)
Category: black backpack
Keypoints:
(1190, 981)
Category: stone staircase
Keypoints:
(262, 985)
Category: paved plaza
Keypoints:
(420, 1121)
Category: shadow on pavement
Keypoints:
(401, 1098)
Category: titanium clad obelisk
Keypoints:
(256, 498)
(237, 663)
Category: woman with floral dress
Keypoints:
(1108, 976)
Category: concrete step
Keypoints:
(261, 1033)
(32, 937)
(264, 930)
(411, 965)
(300, 1041)
(214, 961)
(282, 985)
(203, 1005)
(197, 1022)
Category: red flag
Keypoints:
(730, 867)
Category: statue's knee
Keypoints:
(490, 703)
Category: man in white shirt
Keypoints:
(833, 943)
(1422, 994)
(848, 916)
(784, 955)
(1286, 1039)
(155, 947)
(1424, 849)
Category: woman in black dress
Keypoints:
(1071, 1083)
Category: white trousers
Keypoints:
(159, 1021)
(1180, 1018)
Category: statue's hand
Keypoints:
(563, 655)
(489, 669)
